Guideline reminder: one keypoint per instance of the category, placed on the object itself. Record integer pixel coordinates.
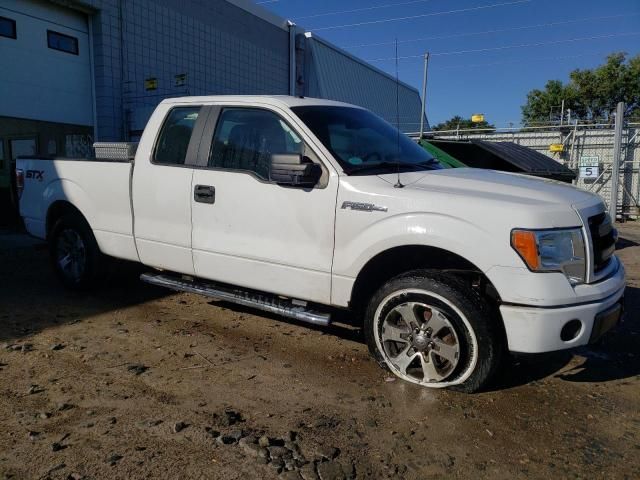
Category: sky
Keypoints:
(486, 55)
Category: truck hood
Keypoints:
(509, 199)
(495, 185)
(471, 212)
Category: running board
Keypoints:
(261, 301)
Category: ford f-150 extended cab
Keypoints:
(302, 207)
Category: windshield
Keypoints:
(362, 142)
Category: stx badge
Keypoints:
(35, 174)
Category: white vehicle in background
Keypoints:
(301, 206)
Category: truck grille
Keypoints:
(603, 237)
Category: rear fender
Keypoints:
(70, 192)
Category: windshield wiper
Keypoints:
(431, 161)
(385, 165)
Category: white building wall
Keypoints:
(38, 82)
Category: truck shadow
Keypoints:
(624, 242)
(342, 324)
(32, 299)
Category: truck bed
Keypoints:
(101, 190)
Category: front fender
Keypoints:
(357, 243)
(355, 248)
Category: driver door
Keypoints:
(249, 231)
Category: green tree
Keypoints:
(545, 105)
(457, 121)
(591, 94)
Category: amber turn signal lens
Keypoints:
(524, 242)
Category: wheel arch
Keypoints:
(401, 259)
(58, 209)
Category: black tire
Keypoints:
(73, 225)
(475, 361)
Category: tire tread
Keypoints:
(489, 335)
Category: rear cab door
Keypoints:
(161, 186)
(248, 230)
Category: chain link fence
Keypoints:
(586, 149)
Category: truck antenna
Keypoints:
(398, 182)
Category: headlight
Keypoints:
(552, 251)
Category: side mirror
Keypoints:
(295, 170)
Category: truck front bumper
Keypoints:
(546, 329)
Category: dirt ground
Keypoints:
(138, 382)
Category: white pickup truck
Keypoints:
(302, 206)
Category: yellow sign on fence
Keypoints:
(556, 147)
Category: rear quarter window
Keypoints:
(175, 135)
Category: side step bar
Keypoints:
(261, 301)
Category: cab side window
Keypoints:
(246, 138)
(175, 135)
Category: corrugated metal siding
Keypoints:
(336, 75)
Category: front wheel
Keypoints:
(433, 330)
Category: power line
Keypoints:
(499, 30)
(527, 60)
(535, 59)
(363, 9)
(506, 47)
(433, 14)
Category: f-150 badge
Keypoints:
(364, 207)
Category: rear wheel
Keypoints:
(433, 330)
(74, 253)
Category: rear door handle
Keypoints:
(204, 194)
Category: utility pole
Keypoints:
(424, 93)
(562, 113)
(615, 168)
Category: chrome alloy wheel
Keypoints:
(71, 254)
(419, 341)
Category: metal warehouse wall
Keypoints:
(222, 49)
(332, 73)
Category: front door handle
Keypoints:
(204, 194)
